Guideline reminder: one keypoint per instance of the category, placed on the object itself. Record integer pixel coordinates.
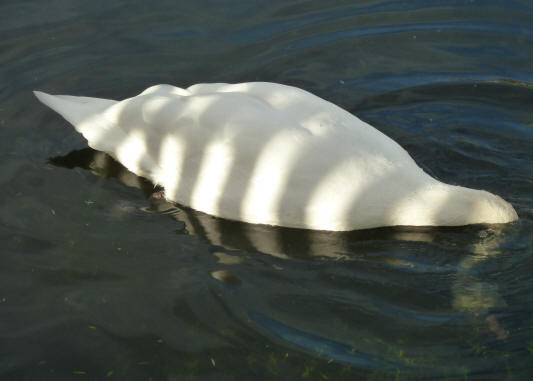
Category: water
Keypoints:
(100, 279)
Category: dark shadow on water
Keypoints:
(273, 240)
(378, 254)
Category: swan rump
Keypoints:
(272, 154)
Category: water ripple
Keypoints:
(318, 40)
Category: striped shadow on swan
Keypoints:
(272, 154)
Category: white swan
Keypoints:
(272, 154)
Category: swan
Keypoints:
(267, 153)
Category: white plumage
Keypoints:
(272, 154)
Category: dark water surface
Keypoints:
(100, 279)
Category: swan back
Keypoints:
(272, 154)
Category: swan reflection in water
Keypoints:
(472, 296)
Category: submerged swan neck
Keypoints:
(450, 205)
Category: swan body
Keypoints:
(273, 154)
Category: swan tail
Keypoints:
(87, 115)
(91, 118)
(75, 110)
